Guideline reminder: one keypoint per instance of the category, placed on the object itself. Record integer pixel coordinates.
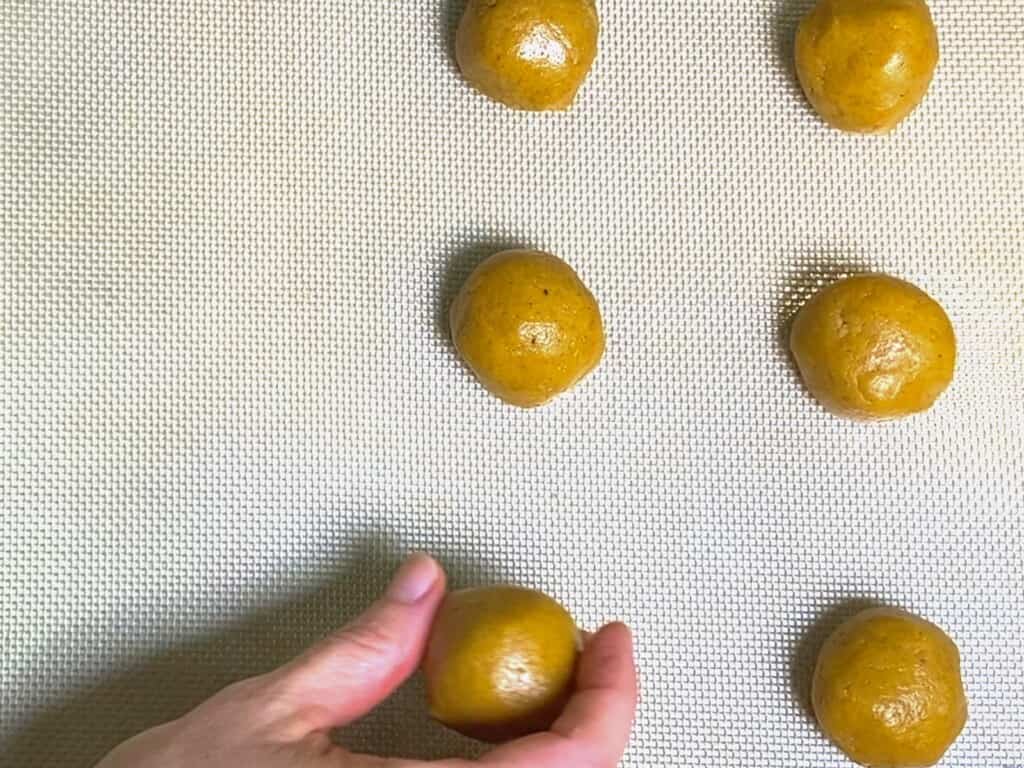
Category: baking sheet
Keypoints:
(229, 233)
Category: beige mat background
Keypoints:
(229, 232)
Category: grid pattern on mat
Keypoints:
(228, 233)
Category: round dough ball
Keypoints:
(527, 326)
(866, 64)
(528, 54)
(887, 690)
(500, 662)
(872, 347)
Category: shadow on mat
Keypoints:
(78, 731)
(804, 654)
(451, 13)
(459, 263)
(784, 23)
(831, 266)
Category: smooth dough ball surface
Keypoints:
(887, 690)
(873, 347)
(527, 326)
(866, 64)
(528, 54)
(500, 662)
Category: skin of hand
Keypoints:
(282, 719)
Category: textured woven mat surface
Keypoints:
(229, 232)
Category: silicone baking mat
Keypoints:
(229, 234)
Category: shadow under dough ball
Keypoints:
(527, 326)
(866, 64)
(528, 54)
(887, 690)
(873, 347)
(500, 662)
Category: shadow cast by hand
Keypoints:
(804, 654)
(387, 730)
(79, 730)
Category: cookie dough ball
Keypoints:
(887, 690)
(528, 54)
(866, 64)
(526, 326)
(500, 662)
(872, 347)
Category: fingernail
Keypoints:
(418, 574)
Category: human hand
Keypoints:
(283, 719)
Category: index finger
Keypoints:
(594, 728)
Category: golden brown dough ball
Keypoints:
(866, 64)
(528, 54)
(500, 662)
(873, 347)
(527, 326)
(887, 690)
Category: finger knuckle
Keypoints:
(366, 638)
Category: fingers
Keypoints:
(594, 728)
(601, 711)
(349, 673)
(351, 760)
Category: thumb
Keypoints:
(345, 676)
